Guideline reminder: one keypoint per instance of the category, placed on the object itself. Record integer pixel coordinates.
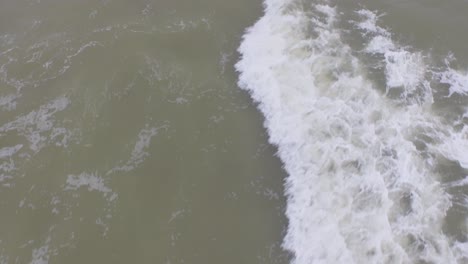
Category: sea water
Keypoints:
(368, 106)
(127, 134)
(124, 137)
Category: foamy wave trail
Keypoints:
(363, 184)
(458, 81)
(404, 69)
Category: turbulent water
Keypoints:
(125, 139)
(124, 136)
(371, 124)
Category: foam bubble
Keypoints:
(41, 255)
(91, 181)
(457, 80)
(139, 152)
(8, 102)
(38, 126)
(7, 164)
(362, 183)
(9, 151)
(455, 147)
(403, 68)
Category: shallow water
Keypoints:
(367, 103)
(125, 136)
(125, 139)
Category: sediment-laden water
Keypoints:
(125, 139)
(367, 104)
(127, 134)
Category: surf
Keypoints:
(363, 183)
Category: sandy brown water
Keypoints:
(124, 136)
(125, 139)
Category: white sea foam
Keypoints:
(403, 68)
(39, 126)
(457, 81)
(8, 102)
(91, 44)
(41, 255)
(7, 152)
(408, 70)
(363, 185)
(455, 147)
(139, 152)
(93, 183)
(7, 164)
(89, 180)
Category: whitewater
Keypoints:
(361, 135)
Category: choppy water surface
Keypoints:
(124, 136)
(367, 104)
(125, 139)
